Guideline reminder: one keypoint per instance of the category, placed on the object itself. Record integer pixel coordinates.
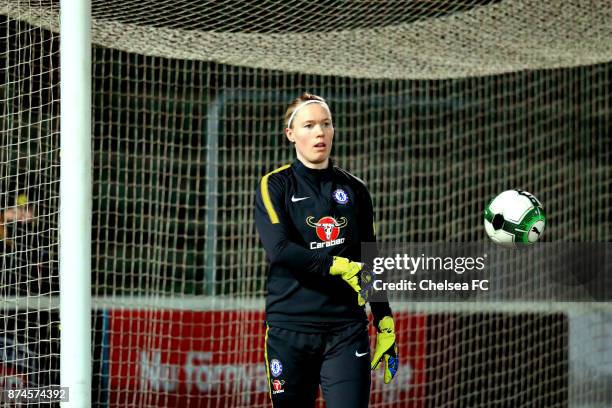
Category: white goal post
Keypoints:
(75, 202)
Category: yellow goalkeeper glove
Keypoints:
(349, 272)
(386, 348)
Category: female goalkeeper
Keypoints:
(312, 217)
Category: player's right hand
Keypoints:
(366, 282)
(350, 272)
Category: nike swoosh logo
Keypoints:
(358, 354)
(296, 199)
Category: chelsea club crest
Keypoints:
(340, 196)
(276, 367)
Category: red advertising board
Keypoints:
(177, 358)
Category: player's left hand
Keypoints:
(386, 349)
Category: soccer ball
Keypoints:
(514, 217)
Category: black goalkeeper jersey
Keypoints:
(305, 217)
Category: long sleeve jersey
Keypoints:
(305, 217)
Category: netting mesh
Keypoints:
(29, 183)
(432, 153)
(438, 107)
(394, 40)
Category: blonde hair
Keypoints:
(295, 104)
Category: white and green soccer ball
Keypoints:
(514, 217)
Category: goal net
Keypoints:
(29, 183)
(437, 106)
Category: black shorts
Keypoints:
(338, 360)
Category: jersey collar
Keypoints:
(316, 174)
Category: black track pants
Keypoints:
(338, 360)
